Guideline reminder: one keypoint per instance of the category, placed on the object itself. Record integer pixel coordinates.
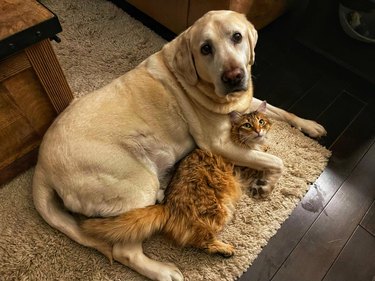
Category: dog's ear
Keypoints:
(253, 38)
(180, 58)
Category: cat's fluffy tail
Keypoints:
(135, 225)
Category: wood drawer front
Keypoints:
(28, 95)
(33, 91)
(25, 115)
(13, 65)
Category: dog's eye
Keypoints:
(206, 49)
(237, 37)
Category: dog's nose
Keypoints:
(233, 77)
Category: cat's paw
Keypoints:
(227, 252)
(260, 188)
(220, 248)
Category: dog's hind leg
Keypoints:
(131, 255)
(45, 201)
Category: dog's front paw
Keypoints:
(312, 128)
(166, 272)
(260, 188)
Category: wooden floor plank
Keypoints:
(318, 249)
(355, 142)
(357, 260)
(318, 98)
(286, 73)
(282, 85)
(338, 116)
(326, 37)
(368, 221)
(280, 246)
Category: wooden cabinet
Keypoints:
(177, 15)
(33, 88)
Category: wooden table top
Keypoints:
(18, 15)
(23, 23)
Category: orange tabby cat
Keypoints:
(198, 202)
(249, 131)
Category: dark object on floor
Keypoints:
(358, 25)
(359, 5)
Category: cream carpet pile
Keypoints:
(99, 43)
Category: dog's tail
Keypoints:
(135, 225)
(50, 207)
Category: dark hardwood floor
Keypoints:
(301, 66)
(330, 234)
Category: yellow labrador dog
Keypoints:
(108, 151)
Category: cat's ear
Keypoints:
(235, 116)
(262, 107)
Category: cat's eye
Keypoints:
(261, 122)
(247, 125)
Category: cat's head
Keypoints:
(250, 128)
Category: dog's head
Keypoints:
(217, 49)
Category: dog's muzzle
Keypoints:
(234, 80)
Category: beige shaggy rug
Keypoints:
(99, 43)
